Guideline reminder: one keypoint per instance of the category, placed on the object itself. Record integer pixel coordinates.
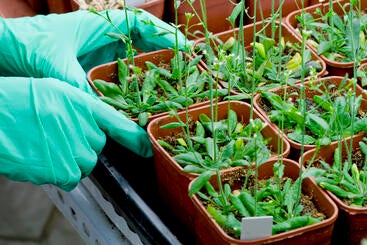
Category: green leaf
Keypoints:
(193, 169)
(108, 89)
(294, 223)
(228, 150)
(188, 158)
(238, 205)
(211, 148)
(234, 224)
(173, 125)
(338, 22)
(268, 43)
(166, 106)
(118, 103)
(249, 202)
(166, 86)
(316, 124)
(217, 215)
(200, 131)
(324, 47)
(313, 172)
(232, 120)
(275, 100)
(292, 196)
(123, 73)
(352, 34)
(323, 102)
(165, 145)
(363, 147)
(143, 118)
(195, 61)
(161, 71)
(297, 137)
(200, 182)
(235, 13)
(210, 189)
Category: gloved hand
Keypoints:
(61, 45)
(52, 132)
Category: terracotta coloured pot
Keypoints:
(248, 39)
(216, 10)
(351, 225)
(15, 8)
(209, 232)
(264, 8)
(155, 7)
(61, 6)
(39, 6)
(334, 68)
(295, 146)
(172, 180)
(109, 72)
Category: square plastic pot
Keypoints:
(209, 232)
(295, 146)
(248, 39)
(351, 224)
(172, 181)
(334, 68)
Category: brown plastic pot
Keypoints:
(172, 180)
(295, 146)
(38, 6)
(264, 8)
(351, 225)
(216, 10)
(61, 6)
(334, 68)
(109, 72)
(15, 8)
(155, 7)
(209, 232)
(248, 39)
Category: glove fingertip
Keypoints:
(123, 130)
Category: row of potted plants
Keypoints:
(245, 117)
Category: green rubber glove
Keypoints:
(66, 46)
(52, 132)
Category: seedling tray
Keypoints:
(127, 182)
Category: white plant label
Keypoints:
(256, 227)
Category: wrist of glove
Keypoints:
(52, 132)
